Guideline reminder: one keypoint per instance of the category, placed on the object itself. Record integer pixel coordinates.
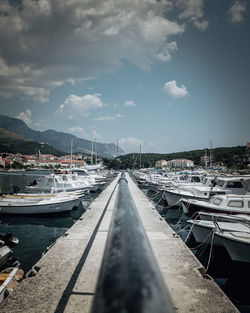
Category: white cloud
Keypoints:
(25, 116)
(104, 118)
(108, 118)
(236, 11)
(130, 103)
(130, 144)
(164, 54)
(37, 38)
(78, 131)
(174, 91)
(193, 11)
(75, 107)
(119, 115)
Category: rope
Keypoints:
(205, 241)
(160, 198)
(172, 205)
(210, 252)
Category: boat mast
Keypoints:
(211, 153)
(140, 155)
(95, 152)
(205, 158)
(92, 153)
(71, 155)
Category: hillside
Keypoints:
(14, 143)
(6, 136)
(232, 157)
(59, 140)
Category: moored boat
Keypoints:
(203, 231)
(38, 205)
(237, 245)
(227, 204)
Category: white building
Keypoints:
(182, 163)
(161, 164)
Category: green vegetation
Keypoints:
(11, 142)
(28, 147)
(231, 157)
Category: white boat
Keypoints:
(220, 217)
(210, 187)
(55, 183)
(237, 245)
(227, 204)
(203, 230)
(37, 205)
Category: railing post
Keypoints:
(130, 280)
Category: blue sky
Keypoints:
(169, 75)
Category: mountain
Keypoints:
(13, 143)
(59, 140)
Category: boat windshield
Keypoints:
(217, 201)
(195, 179)
(220, 183)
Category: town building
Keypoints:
(161, 164)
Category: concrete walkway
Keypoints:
(68, 272)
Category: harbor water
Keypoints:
(35, 233)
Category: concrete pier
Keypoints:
(67, 274)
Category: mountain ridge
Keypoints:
(59, 140)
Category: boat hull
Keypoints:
(238, 251)
(192, 209)
(60, 206)
(204, 234)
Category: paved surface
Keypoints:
(69, 271)
(181, 271)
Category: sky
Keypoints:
(166, 75)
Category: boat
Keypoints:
(9, 279)
(10, 273)
(56, 183)
(222, 217)
(237, 245)
(203, 231)
(205, 190)
(227, 204)
(40, 196)
(37, 205)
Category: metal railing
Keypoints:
(130, 280)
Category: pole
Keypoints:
(205, 158)
(92, 153)
(95, 153)
(211, 153)
(140, 155)
(71, 145)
